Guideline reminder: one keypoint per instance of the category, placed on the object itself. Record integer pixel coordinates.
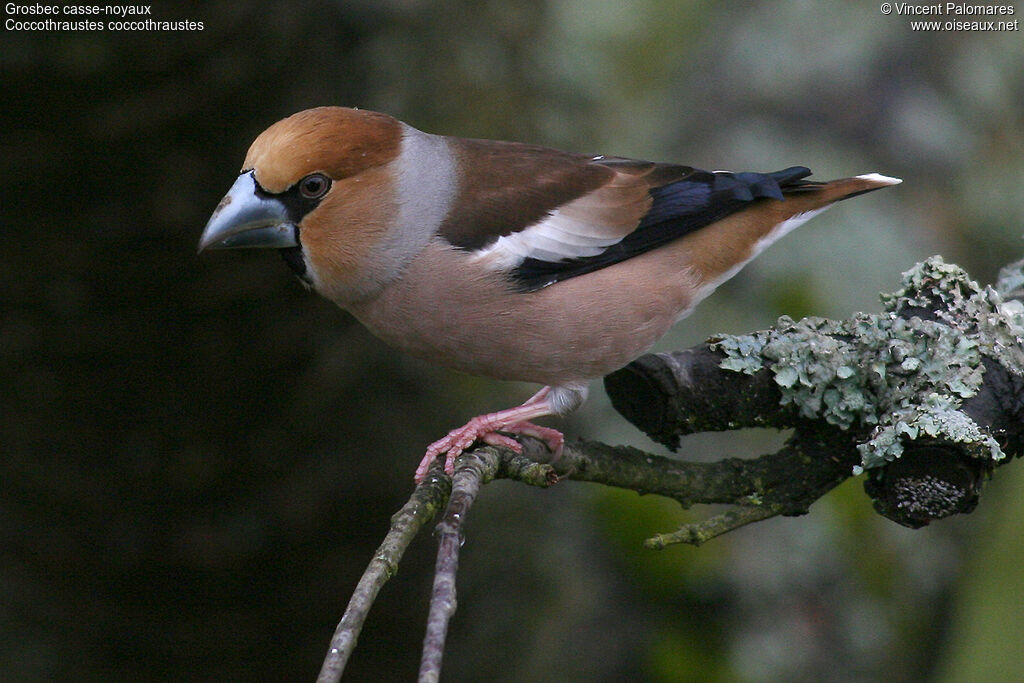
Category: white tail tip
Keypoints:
(879, 178)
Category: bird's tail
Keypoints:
(835, 190)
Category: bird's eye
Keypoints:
(314, 186)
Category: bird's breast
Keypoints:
(444, 309)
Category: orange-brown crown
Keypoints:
(337, 141)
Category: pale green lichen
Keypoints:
(995, 325)
(905, 376)
(1010, 282)
(936, 419)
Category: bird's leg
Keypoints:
(486, 428)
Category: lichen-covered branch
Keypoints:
(929, 391)
(686, 392)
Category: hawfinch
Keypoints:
(504, 259)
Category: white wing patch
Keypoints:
(555, 238)
(583, 227)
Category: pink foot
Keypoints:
(458, 440)
(486, 428)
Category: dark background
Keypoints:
(198, 458)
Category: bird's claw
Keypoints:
(458, 440)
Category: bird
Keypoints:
(504, 259)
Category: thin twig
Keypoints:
(471, 470)
(422, 506)
(701, 532)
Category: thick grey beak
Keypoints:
(246, 219)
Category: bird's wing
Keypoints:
(543, 216)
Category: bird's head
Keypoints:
(319, 187)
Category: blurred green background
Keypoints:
(198, 458)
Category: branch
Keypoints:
(786, 482)
(424, 503)
(472, 470)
